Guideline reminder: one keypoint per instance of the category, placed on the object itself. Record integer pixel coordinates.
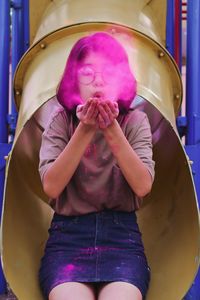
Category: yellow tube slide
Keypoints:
(169, 218)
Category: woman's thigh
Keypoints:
(120, 291)
(73, 291)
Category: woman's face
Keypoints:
(98, 78)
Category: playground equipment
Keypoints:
(169, 217)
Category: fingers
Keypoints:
(79, 110)
(85, 107)
(113, 106)
(108, 111)
(92, 109)
(115, 109)
(105, 118)
(96, 111)
(102, 124)
(89, 112)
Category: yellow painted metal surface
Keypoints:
(37, 9)
(169, 217)
(143, 15)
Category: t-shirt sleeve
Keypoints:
(54, 140)
(140, 138)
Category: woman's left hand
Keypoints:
(108, 112)
(88, 112)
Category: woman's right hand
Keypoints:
(88, 113)
(108, 112)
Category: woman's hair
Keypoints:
(104, 44)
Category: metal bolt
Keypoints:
(161, 54)
(42, 45)
(6, 157)
(177, 96)
(189, 160)
(18, 92)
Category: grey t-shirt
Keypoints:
(98, 182)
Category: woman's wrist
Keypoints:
(87, 128)
(110, 128)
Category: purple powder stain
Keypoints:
(71, 269)
(88, 151)
(91, 151)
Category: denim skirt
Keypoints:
(97, 247)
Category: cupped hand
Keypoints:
(88, 113)
(108, 112)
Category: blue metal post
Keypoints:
(193, 72)
(17, 32)
(174, 29)
(18, 45)
(178, 36)
(4, 67)
(170, 26)
(193, 107)
(26, 26)
(4, 92)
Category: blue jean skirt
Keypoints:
(97, 247)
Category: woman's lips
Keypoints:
(98, 95)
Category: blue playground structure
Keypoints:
(14, 33)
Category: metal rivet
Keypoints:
(6, 157)
(177, 96)
(189, 160)
(161, 54)
(43, 46)
(18, 92)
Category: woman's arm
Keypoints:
(132, 167)
(62, 169)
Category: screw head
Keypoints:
(42, 45)
(161, 54)
(17, 92)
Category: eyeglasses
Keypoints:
(87, 75)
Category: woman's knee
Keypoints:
(119, 290)
(73, 291)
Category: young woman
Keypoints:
(96, 165)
